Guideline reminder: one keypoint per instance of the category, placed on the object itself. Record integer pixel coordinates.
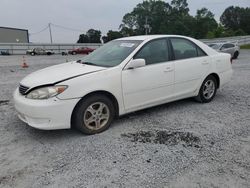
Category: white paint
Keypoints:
(134, 89)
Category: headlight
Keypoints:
(46, 92)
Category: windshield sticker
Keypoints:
(128, 45)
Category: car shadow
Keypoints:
(160, 108)
(55, 135)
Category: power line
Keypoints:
(66, 28)
(58, 26)
(39, 31)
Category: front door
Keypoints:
(153, 83)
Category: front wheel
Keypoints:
(93, 114)
(208, 90)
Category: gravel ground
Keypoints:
(181, 144)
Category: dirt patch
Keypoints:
(11, 178)
(4, 102)
(164, 137)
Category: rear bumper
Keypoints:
(46, 114)
(225, 77)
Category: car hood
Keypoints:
(58, 73)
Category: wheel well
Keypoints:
(107, 94)
(217, 79)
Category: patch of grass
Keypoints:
(246, 46)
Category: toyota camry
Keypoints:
(122, 76)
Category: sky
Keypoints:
(81, 15)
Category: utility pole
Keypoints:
(50, 33)
(146, 26)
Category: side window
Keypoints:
(154, 52)
(230, 45)
(184, 49)
(38, 49)
(200, 52)
(225, 46)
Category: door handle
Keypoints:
(205, 63)
(168, 69)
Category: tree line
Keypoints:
(160, 17)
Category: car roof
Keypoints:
(221, 43)
(149, 37)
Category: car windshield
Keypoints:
(112, 53)
(211, 45)
(216, 46)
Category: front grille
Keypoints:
(23, 89)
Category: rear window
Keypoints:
(184, 49)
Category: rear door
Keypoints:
(191, 66)
(153, 83)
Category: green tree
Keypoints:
(239, 32)
(180, 7)
(235, 18)
(174, 18)
(231, 17)
(114, 35)
(111, 35)
(205, 23)
(162, 18)
(219, 31)
(94, 36)
(83, 38)
(91, 36)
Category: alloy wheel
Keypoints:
(208, 89)
(96, 116)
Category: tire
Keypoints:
(73, 53)
(88, 114)
(236, 54)
(206, 94)
(32, 53)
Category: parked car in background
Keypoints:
(122, 76)
(82, 50)
(64, 53)
(5, 52)
(39, 51)
(231, 48)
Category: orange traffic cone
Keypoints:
(24, 64)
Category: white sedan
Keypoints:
(123, 76)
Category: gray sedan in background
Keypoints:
(231, 48)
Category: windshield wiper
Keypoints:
(86, 63)
(89, 63)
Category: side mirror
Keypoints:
(136, 63)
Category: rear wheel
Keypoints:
(208, 90)
(73, 53)
(93, 114)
